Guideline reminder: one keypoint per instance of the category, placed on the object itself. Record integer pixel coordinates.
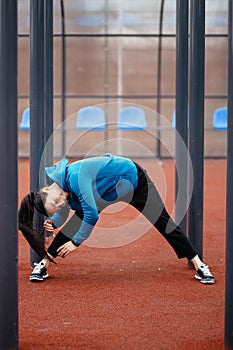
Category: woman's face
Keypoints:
(56, 198)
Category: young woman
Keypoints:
(88, 186)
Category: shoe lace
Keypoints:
(38, 267)
(205, 270)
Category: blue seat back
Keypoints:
(174, 119)
(25, 121)
(132, 118)
(220, 118)
(91, 118)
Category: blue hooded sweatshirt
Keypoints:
(92, 183)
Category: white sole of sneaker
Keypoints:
(36, 279)
(207, 282)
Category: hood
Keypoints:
(57, 172)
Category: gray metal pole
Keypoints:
(8, 177)
(36, 104)
(228, 339)
(182, 15)
(106, 71)
(159, 79)
(196, 122)
(48, 89)
(63, 76)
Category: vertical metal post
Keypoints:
(228, 338)
(48, 88)
(182, 15)
(8, 177)
(120, 74)
(196, 121)
(159, 79)
(37, 129)
(63, 77)
(106, 71)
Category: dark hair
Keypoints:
(25, 216)
(39, 199)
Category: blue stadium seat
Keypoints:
(174, 119)
(91, 118)
(132, 118)
(220, 118)
(25, 121)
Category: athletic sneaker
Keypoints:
(204, 275)
(39, 273)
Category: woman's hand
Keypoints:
(66, 249)
(48, 226)
(48, 232)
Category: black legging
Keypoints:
(146, 200)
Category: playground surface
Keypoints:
(137, 296)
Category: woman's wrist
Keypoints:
(76, 244)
